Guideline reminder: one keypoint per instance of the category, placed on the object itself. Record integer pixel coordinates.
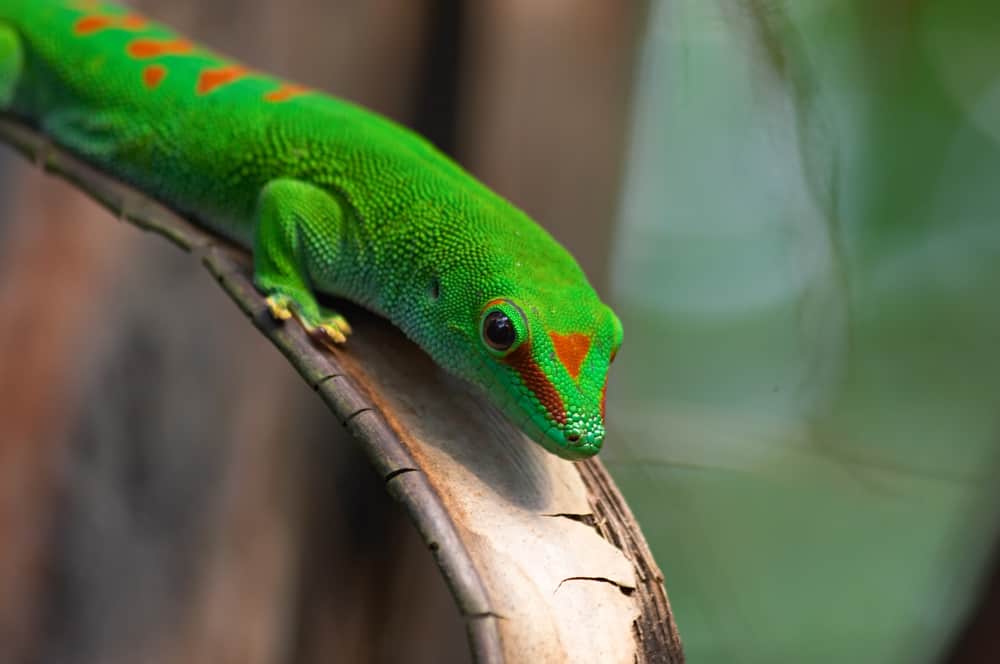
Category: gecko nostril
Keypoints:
(572, 436)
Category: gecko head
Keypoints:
(547, 368)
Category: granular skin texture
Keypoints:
(328, 196)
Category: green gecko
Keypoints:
(330, 198)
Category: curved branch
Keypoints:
(543, 557)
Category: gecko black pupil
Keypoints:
(499, 331)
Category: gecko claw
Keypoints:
(328, 328)
(341, 324)
(329, 334)
(279, 307)
(332, 325)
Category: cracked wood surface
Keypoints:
(543, 557)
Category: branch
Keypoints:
(543, 557)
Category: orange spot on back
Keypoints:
(212, 79)
(134, 22)
(88, 25)
(153, 75)
(571, 349)
(143, 49)
(286, 92)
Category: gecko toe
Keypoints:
(279, 307)
(329, 335)
(341, 324)
(326, 327)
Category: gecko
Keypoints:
(331, 199)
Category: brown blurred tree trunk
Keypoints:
(164, 499)
(545, 109)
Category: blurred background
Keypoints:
(790, 203)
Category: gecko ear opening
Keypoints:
(503, 327)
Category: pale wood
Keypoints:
(543, 557)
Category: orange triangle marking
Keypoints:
(571, 349)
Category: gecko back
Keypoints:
(330, 198)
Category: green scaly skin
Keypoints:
(330, 198)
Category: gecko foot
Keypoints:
(329, 334)
(280, 307)
(326, 327)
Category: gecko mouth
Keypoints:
(574, 442)
(571, 444)
(568, 442)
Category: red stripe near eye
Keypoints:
(493, 303)
(535, 380)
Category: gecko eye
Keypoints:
(502, 326)
(498, 331)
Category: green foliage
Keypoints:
(804, 414)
